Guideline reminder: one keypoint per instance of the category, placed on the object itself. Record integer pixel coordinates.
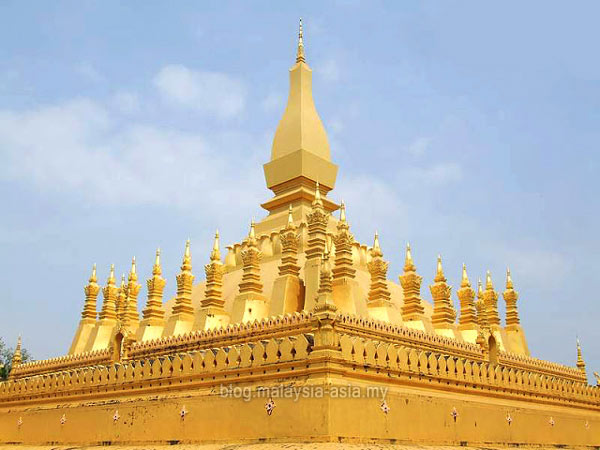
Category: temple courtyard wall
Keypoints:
(296, 388)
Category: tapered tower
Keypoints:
(212, 308)
(182, 317)
(288, 289)
(250, 303)
(88, 316)
(379, 299)
(300, 155)
(153, 315)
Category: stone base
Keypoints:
(386, 313)
(209, 318)
(287, 295)
(248, 307)
(413, 416)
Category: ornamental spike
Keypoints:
(465, 278)
(93, 277)
(252, 233)
(133, 271)
(580, 362)
(409, 264)
(157, 269)
(17, 356)
(187, 257)
(317, 200)
(376, 251)
(342, 211)
(290, 220)
(111, 276)
(509, 282)
(215, 255)
(300, 52)
(488, 281)
(439, 273)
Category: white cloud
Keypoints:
(371, 203)
(273, 102)
(126, 102)
(88, 71)
(329, 70)
(436, 175)
(78, 148)
(531, 265)
(419, 146)
(208, 92)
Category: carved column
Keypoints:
(413, 309)
(317, 220)
(287, 288)
(250, 303)
(153, 321)
(182, 317)
(444, 314)
(88, 316)
(379, 301)
(212, 313)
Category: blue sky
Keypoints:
(466, 128)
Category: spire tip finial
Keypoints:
(215, 255)
(156, 270)
(409, 264)
(317, 200)
(300, 52)
(290, 219)
(439, 273)
(376, 251)
(465, 278)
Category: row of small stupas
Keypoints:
(291, 287)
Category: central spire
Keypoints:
(300, 153)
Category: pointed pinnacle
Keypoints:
(488, 281)
(342, 211)
(439, 273)
(133, 271)
(111, 276)
(187, 257)
(300, 52)
(16, 359)
(580, 361)
(465, 278)
(252, 233)
(290, 221)
(409, 265)
(376, 250)
(479, 288)
(122, 281)
(215, 255)
(93, 277)
(317, 200)
(157, 270)
(509, 282)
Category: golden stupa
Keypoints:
(297, 335)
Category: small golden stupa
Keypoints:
(297, 335)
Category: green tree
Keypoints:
(6, 355)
